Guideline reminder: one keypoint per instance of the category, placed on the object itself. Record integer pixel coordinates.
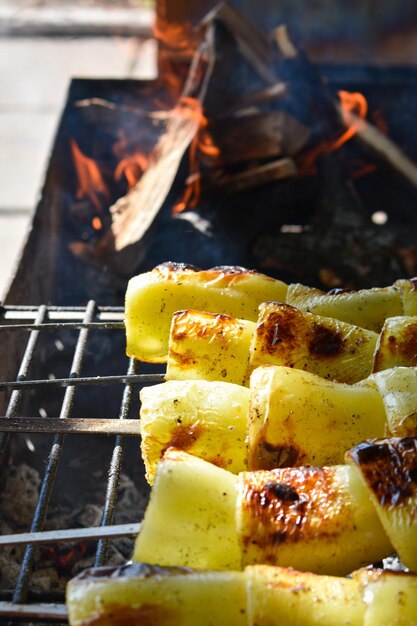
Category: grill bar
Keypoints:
(87, 380)
(16, 396)
(56, 612)
(74, 425)
(35, 320)
(21, 589)
(60, 312)
(62, 325)
(115, 468)
(71, 534)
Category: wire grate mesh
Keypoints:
(24, 327)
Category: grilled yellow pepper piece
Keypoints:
(389, 470)
(398, 390)
(190, 518)
(298, 418)
(309, 518)
(209, 346)
(150, 595)
(327, 347)
(199, 515)
(260, 596)
(206, 419)
(408, 290)
(278, 595)
(153, 297)
(390, 597)
(397, 343)
(367, 308)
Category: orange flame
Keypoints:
(351, 104)
(132, 168)
(177, 44)
(174, 35)
(90, 181)
(202, 143)
(178, 35)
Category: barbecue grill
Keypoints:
(34, 322)
(73, 377)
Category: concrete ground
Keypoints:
(35, 72)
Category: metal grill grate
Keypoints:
(30, 322)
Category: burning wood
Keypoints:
(252, 137)
(251, 42)
(250, 110)
(133, 214)
(257, 136)
(255, 176)
(383, 146)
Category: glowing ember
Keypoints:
(64, 558)
(90, 181)
(96, 223)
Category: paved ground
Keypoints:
(34, 74)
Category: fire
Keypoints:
(132, 168)
(354, 109)
(90, 180)
(177, 45)
(177, 35)
(351, 103)
(202, 144)
(132, 162)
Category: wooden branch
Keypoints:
(255, 98)
(252, 43)
(133, 215)
(258, 136)
(284, 43)
(307, 87)
(256, 176)
(382, 145)
(368, 134)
